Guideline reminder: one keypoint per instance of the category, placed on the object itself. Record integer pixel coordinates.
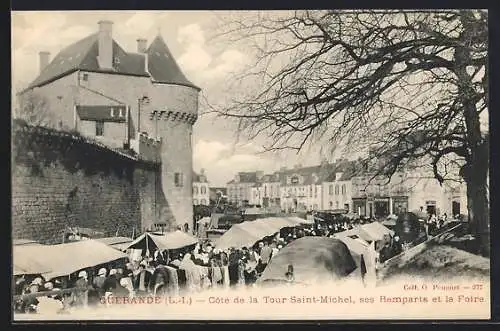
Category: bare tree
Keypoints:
(34, 109)
(408, 86)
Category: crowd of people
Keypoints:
(176, 272)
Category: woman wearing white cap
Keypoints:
(98, 282)
(82, 289)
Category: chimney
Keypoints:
(44, 60)
(105, 57)
(142, 48)
(142, 45)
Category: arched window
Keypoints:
(331, 204)
(203, 190)
(330, 190)
(336, 190)
(203, 202)
(343, 189)
(195, 190)
(311, 191)
(195, 202)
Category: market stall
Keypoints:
(246, 234)
(119, 243)
(64, 259)
(169, 240)
(312, 259)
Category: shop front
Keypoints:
(381, 207)
(359, 206)
(400, 205)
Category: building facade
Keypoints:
(97, 88)
(301, 187)
(256, 195)
(240, 189)
(409, 191)
(201, 192)
(337, 192)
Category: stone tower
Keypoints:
(169, 116)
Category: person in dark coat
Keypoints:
(141, 280)
(111, 282)
(363, 268)
(99, 281)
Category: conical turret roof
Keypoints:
(162, 65)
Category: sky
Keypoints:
(216, 147)
(209, 64)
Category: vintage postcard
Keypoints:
(250, 165)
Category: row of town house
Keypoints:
(340, 187)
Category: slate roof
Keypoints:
(323, 173)
(102, 113)
(349, 169)
(82, 55)
(274, 178)
(199, 179)
(246, 177)
(162, 65)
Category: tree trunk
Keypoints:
(476, 170)
(478, 200)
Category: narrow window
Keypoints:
(178, 179)
(99, 128)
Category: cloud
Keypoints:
(198, 59)
(221, 161)
(209, 152)
(229, 62)
(195, 57)
(39, 34)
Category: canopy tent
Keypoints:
(169, 240)
(348, 233)
(25, 264)
(389, 223)
(312, 258)
(356, 246)
(65, 259)
(374, 231)
(119, 243)
(237, 236)
(246, 234)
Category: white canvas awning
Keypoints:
(64, 259)
(170, 240)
